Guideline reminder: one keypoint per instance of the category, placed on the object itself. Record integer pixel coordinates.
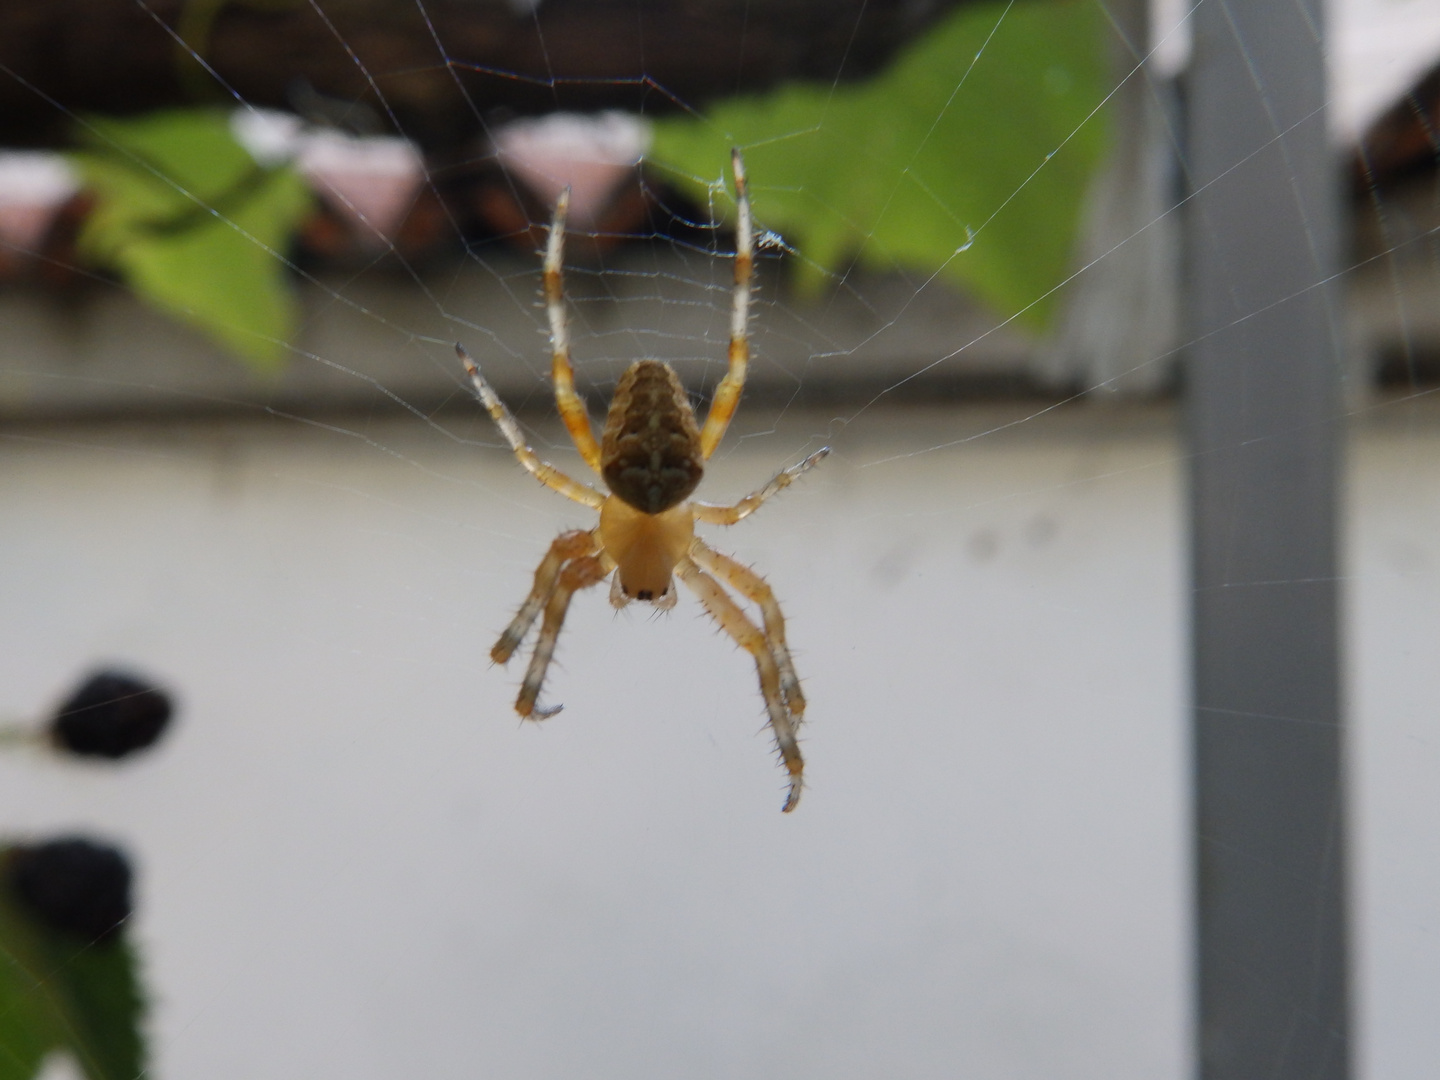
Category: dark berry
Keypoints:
(72, 885)
(112, 714)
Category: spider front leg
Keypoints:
(579, 573)
(568, 545)
(756, 589)
(748, 636)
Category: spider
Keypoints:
(651, 457)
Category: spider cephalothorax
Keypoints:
(651, 456)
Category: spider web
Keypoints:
(353, 860)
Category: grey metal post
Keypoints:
(1261, 384)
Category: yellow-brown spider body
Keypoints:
(651, 456)
(650, 449)
(646, 548)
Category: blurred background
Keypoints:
(237, 244)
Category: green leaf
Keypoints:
(194, 224)
(29, 1025)
(106, 1007)
(970, 156)
(60, 993)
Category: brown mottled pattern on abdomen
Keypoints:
(650, 450)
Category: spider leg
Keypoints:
(567, 401)
(576, 574)
(543, 471)
(748, 636)
(729, 515)
(568, 545)
(727, 394)
(756, 589)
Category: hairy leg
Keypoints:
(562, 374)
(546, 473)
(567, 546)
(727, 394)
(577, 574)
(756, 589)
(748, 636)
(729, 515)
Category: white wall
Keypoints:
(356, 861)
(1394, 620)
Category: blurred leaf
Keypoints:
(937, 153)
(106, 1007)
(29, 1024)
(194, 225)
(61, 992)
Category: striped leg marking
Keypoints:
(748, 636)
(577, 574)
(727, 394)
(567, 546)
(562, 374)
(543, 471)
(729, 515)
(755, 588)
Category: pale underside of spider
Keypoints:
(651, 457)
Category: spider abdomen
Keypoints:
(650, 450)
